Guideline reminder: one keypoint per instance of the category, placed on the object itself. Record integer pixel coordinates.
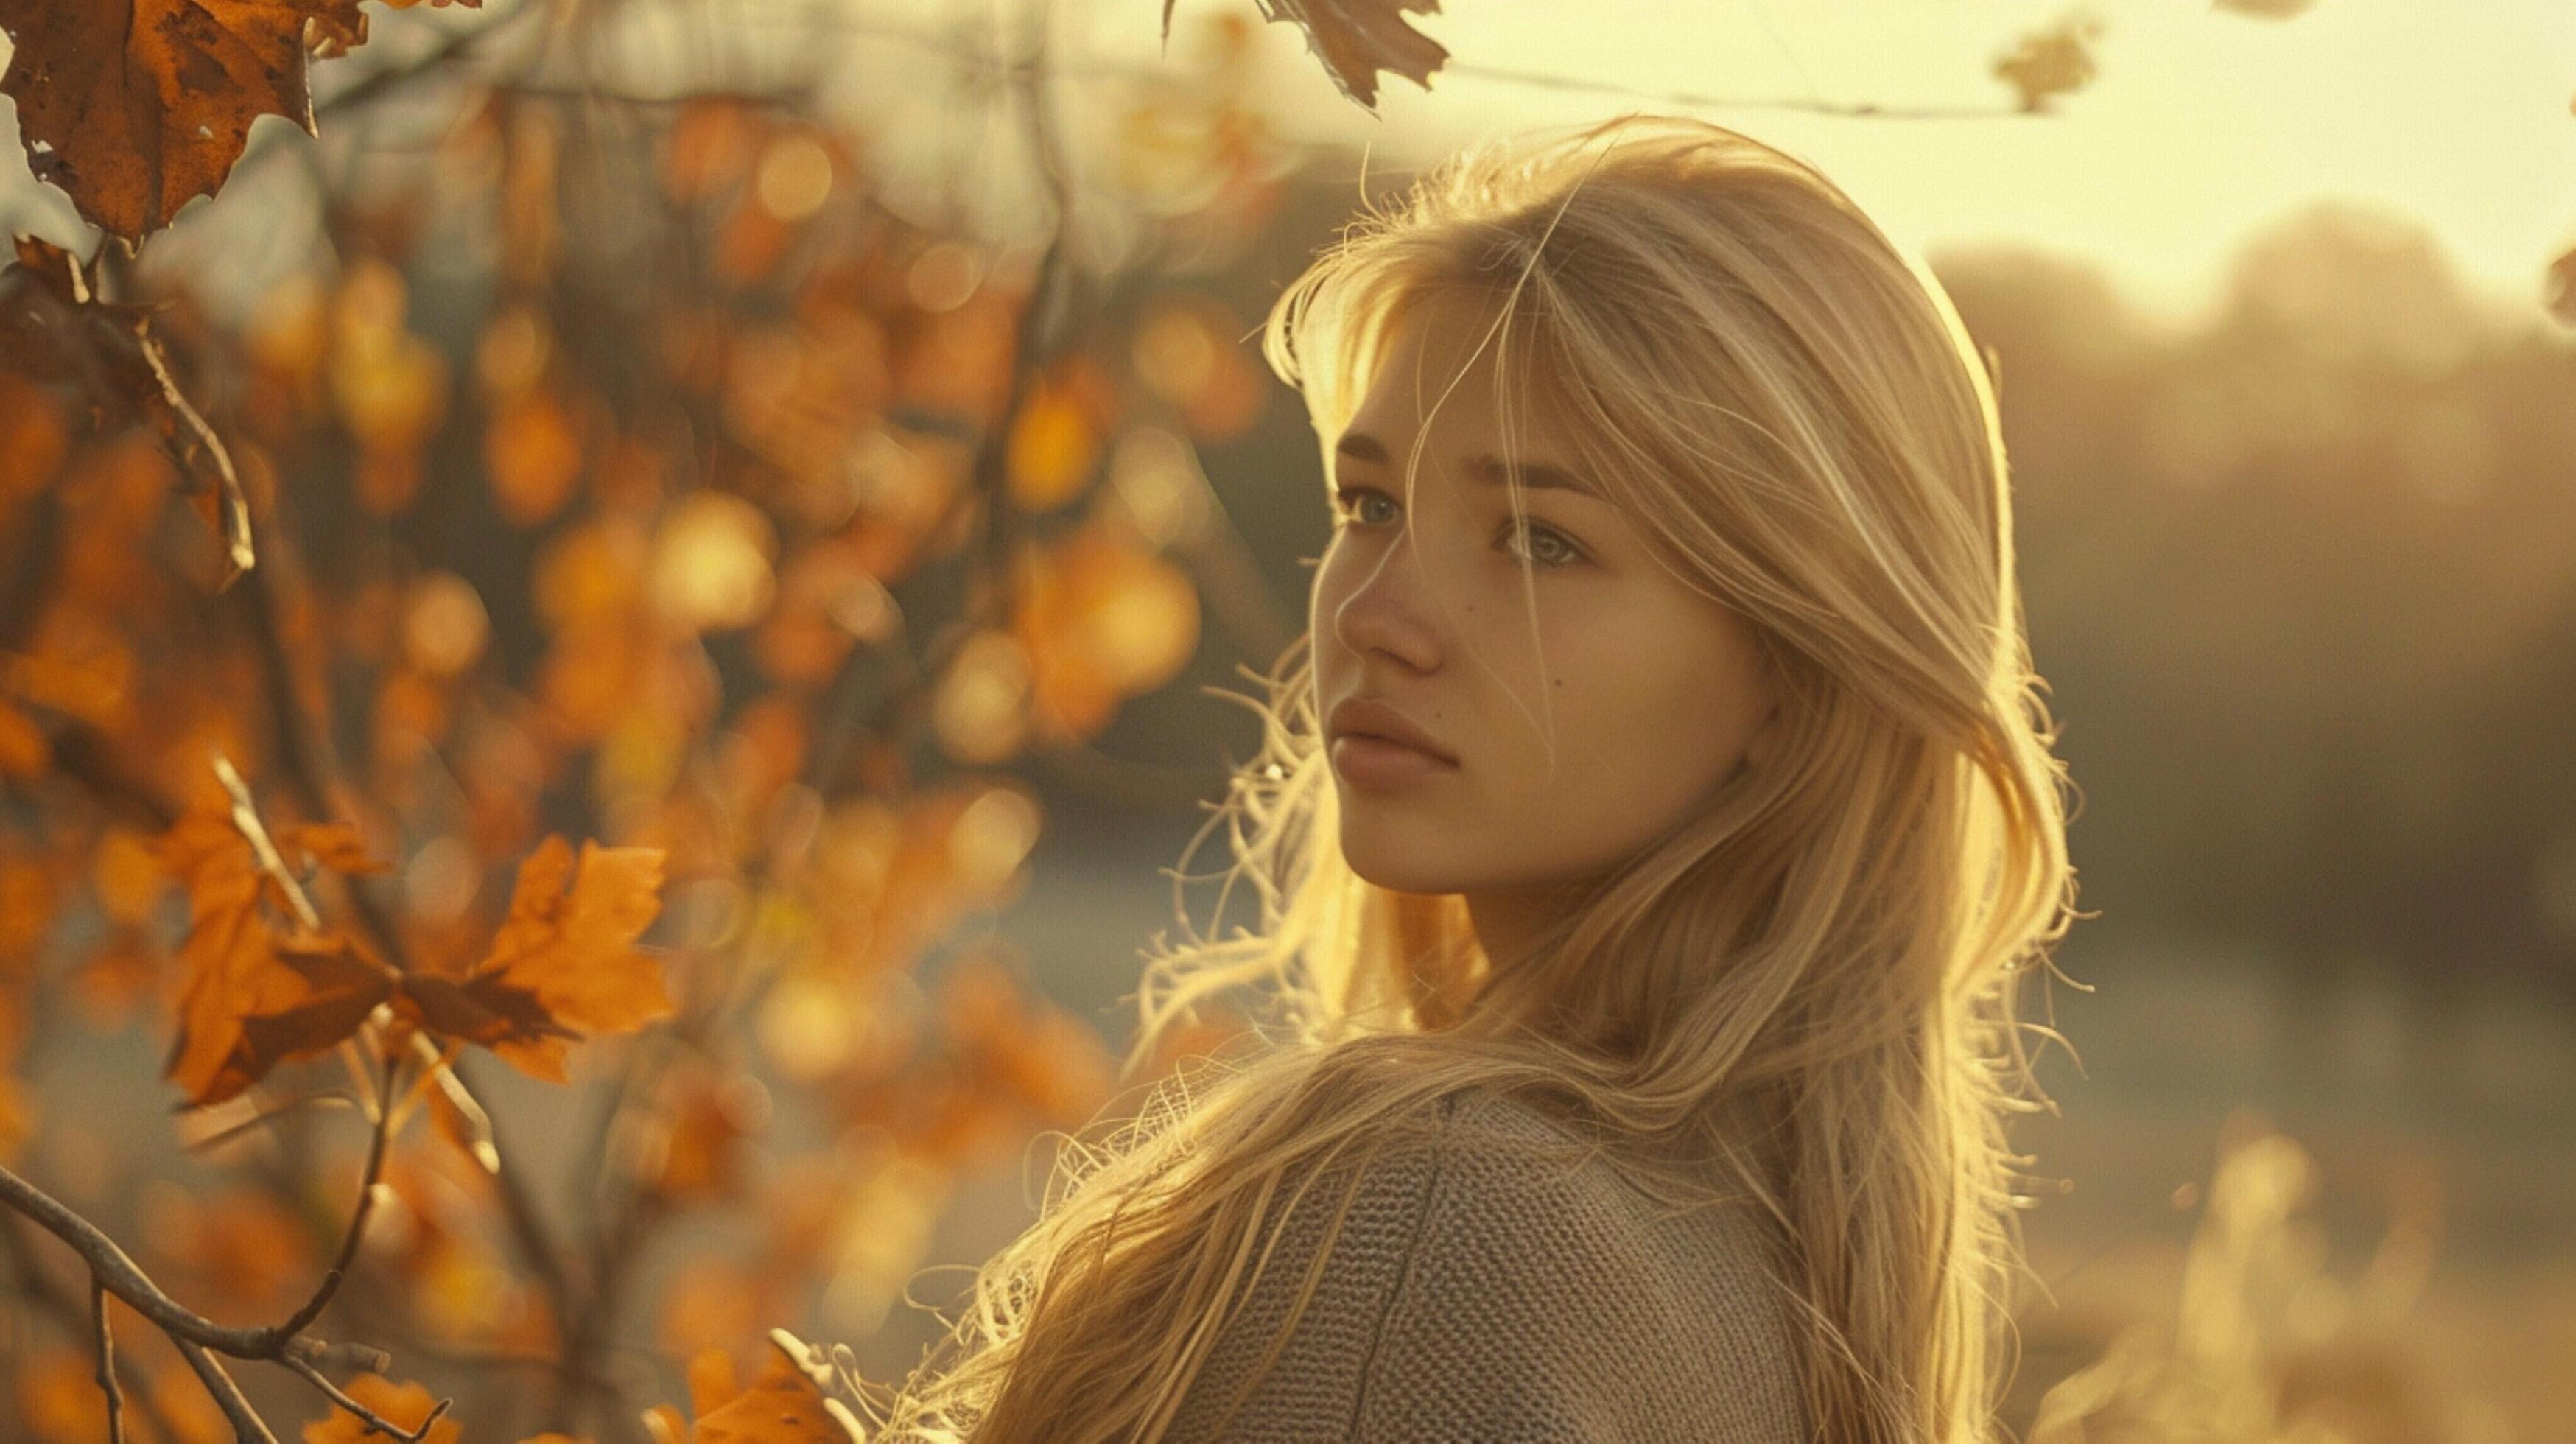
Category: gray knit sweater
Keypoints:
(1481, 1293)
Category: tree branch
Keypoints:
(107, 1363)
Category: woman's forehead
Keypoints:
(1444, 362)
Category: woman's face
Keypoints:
(1577, 716)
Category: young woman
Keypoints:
(1650, 835)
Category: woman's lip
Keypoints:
(1368, 761)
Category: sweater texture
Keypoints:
(1489, 1285)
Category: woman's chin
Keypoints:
(1384, 857)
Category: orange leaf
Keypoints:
(782, 1406)
(251, 999)
(564, 962)
(135, 107)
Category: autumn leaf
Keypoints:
(2051, 62)
(563, 964)
(1356, 39)
(135, 107)
(251, 996)
(784, 1405)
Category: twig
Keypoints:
(459, 45)
(369, 1182)
(120, 1275)
(1858, 110)
(248, 1428)
(107, 1363)
(267, 1116)
(246, 820)
(234, 506)
(199, 1338)
(68, 1313)
(373, 1420)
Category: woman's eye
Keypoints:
(1354, 502)
(1545, 546)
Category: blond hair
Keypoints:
(1811, 986)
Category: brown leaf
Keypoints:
(1358, 38)
(2051, 62)
(135, 107)
(342, 985)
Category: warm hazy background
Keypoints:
(2295, 451)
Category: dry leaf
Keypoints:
(1358, 38)
(135, 107)
(782, 1406)
(252, 997)
(563, 964)
(2051, 62)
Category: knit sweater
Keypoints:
(1480, 1291)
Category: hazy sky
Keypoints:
(2200, 124)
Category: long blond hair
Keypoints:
(1811, 986)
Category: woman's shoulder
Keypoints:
(1487, 1258)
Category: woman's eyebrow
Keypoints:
(1360, 446)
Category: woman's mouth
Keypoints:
(1366, 761)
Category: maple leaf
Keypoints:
(564, 962)
(1356, 39)
(784, 1405)
(135, 107)
(252, 997)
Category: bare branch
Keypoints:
(248, 1428)
(234, 506)
(370, 1182)
(373, 1420)
(246, 819)
(107, 1363)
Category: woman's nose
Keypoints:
(1390, 612)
